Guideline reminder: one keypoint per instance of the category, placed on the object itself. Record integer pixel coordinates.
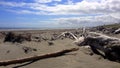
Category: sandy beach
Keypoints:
(76, 59)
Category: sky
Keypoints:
(58, 13)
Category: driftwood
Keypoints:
(34, 58)
(117, 31)
(67, 35)
(109, 46)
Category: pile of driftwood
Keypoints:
(108, 47)
(13, 37)
(109, 30)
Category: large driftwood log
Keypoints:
(109, 46)
(34, 58)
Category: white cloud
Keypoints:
(84, 7)
(93, 0)
(87, 21)
(46, 1)
(70, 2)
(27, 12)
(109, 10)
(12, 4)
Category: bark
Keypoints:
(34, 58)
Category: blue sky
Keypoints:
(58, 13)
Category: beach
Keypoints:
(76, 59)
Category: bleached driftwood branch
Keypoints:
(33, 58)
(117, 31)
(65, 34)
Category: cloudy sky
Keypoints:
(58, 13)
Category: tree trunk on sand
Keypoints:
(34, 58)
(110, 46)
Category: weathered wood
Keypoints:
(66, 34)
(117, 31)
(104, 38)
(110, 46)
(33, 58)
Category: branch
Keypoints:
(73, 36)
(105, 37)
(117, 31)
(33, 58)
(68, 33)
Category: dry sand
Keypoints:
(77, 59)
